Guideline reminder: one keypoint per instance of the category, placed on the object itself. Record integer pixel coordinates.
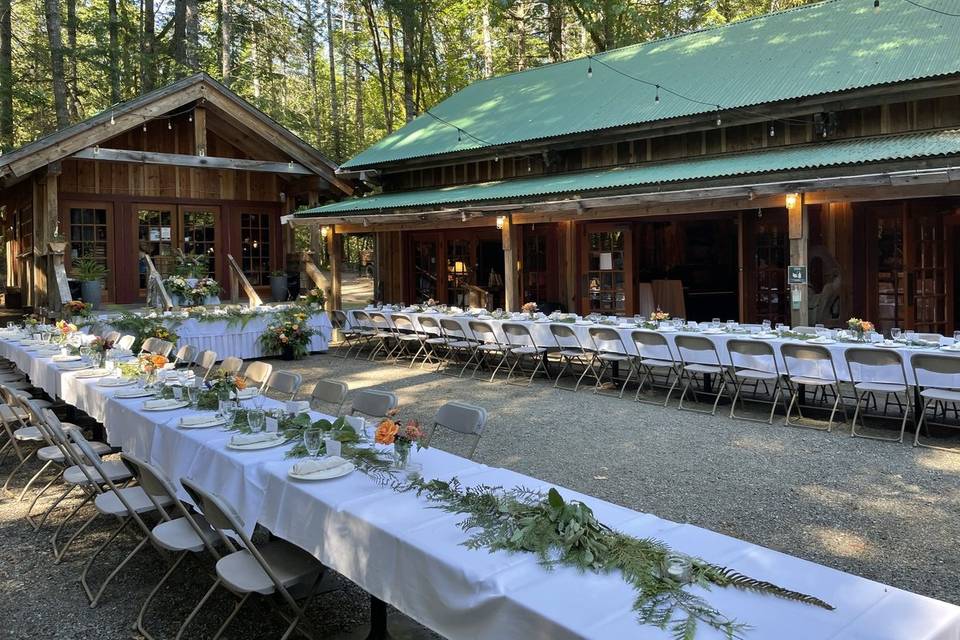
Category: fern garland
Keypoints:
(567, 533)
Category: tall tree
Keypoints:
(113, 50)
(52, 10)
(148, 71)
(334, 100)
(487, 37)
(6, 76)
(73, 82)
(226, 34)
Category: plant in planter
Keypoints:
(314, 298)
(289, 335)
(278, 285)
(90, 273)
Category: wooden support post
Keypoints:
(199, 131)
(741, 273)
(511, 277)
(334, 250)
(798, 224)
(569, 279)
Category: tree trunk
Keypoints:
(408, 26)
(357, 83)
(555, 30)
(385, 97)
(226, 33)
(487, 42)
(148, 70)
(113, 53)
(6, 76)
(334, 101)
(255, 64)
(73, 99)
(179, 40)
(52, 9)
(192, 35)
(310, 40)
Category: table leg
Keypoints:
(378, 620)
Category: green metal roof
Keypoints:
(830, 154)
(832, 46)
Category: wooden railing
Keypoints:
(314, 274)
(237, 281)
(156, 293)
(60, 278)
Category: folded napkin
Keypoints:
(159, 404)
(297, 406)
(252, 438)
(192, 421)
(310, 465)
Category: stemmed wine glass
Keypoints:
(312, 439)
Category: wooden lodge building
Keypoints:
(825, 137)
(190, 167)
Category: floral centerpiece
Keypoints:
(76, 309)
(314, 297)
(859, 328)
(177, 285)
(65, 329)
(203, 289)
(99, 347)
(656, 318)
(289, 335)
(390, 431)
(529, 308)
(226, 384)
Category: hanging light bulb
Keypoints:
(656, 98)
(144, 126)
(772, 131)
(459, 135)
(169, 125)
(191, 117)
(590, 67)
(876, 6)
(112, 121)
(719, 120)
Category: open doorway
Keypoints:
(490, 270)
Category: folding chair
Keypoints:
(350, 337)
(284, 382)
(810, 365)
(272, 568)
(329, 392)
(609, 351)
(459, 346)
(409, 339)
(366, 332)
(571, 353)
(937, 377)
(156, 346)
(463, 418)
(433, 341)
(384, 336)
(699, 357)
(185, 356)
(754, 361)
(486, 344)
(111, 336)
(205, 362)
(258, 373)
(231, 364)
(125, 342)
(861, 363)
(181, 534)
(654, 355)
(520, 345)
(373, 403)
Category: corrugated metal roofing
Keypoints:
(832, 46)
(845, 152)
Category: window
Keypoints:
(607, 272)
(88, 234)
(425, 269)
(255, 243)
(199, 236)
(458, 272)
(154, 233)
(535, 268)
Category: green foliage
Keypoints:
(87, 269)
(567, 533)
(142, 327)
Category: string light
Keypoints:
(876, 6)
(719, 120)
(656, 98)
(112, 121)
(590, 67)
(144, 126)
(772, 131)
(169, 125)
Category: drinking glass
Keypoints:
(818, 326)
(193, 395)
(766, 325)
(894, 333)
(312, 439)
(956, 336)
(256, 418)
(781, 327)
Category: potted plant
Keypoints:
(278, 285)
(90, 273)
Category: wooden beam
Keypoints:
(334, 249)
(511, 275)
(196, 162)
(237, 277)
(199, 131)
(798, 222)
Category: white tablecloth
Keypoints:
(242, 342)
(540, 331)
(400, 550)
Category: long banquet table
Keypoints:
(228, 339)
(540, 332)
(411, 556)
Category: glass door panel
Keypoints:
(424, 269)
(255, 247)
(459, 272)
(199, 235)
(155, 238)
(609, 272)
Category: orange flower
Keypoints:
(386, 431)
(240, 382)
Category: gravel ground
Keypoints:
(883, 511)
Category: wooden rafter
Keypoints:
(196, 162)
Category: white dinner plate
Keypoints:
(93, 373)
(74, 366)
(327, 474)
(135, 393)
(256, 446)
(168, 407)
(888, 345)
(116, 382)
(712, 332)
(764, 336)
(59, 358)
(821, 341)
(214, 421)
(950, 349)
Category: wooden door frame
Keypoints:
(63, 211)
(409, 288)
(220, 271)
(629, 268)
(233, 242)
(552, 233)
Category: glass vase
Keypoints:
(401, 453)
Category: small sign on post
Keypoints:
(797, 274)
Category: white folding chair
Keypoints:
(231, 364)
(205, 362)
(329, 393)
(520, 346)
(699, 357)
(460, 346)
(409, 339)
(609, 352)
(486, 345)
(274, 567)
(810, 365)
(754, 361)
(937, 377)
(185, 356)
(156, 346)
(284, 383)
(434, 342)
(462, 418)
(373, 403)
(125, 342)
(655, 357)
(571, 353)
(258, 372)
(865, 365)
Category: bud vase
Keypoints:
(401, 453)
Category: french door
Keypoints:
(606, 262)
(162, 230)
(911, 267)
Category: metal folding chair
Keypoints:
(409, 339)
(860, 362)
(434, 342)
(754, 362)
(699, 357)
(373, 403)
(609, 351)
(331, 393)
(462, 418)
(185, 356)
(520, 346)
(486, 345)
(571, 352)
(284, 382)
(385, 336)
(810, 365)
(655, 356)
(937, 377)
(459, 345)
(258, 373)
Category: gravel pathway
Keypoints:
(883, 511)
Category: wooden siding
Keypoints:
(917, 115)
